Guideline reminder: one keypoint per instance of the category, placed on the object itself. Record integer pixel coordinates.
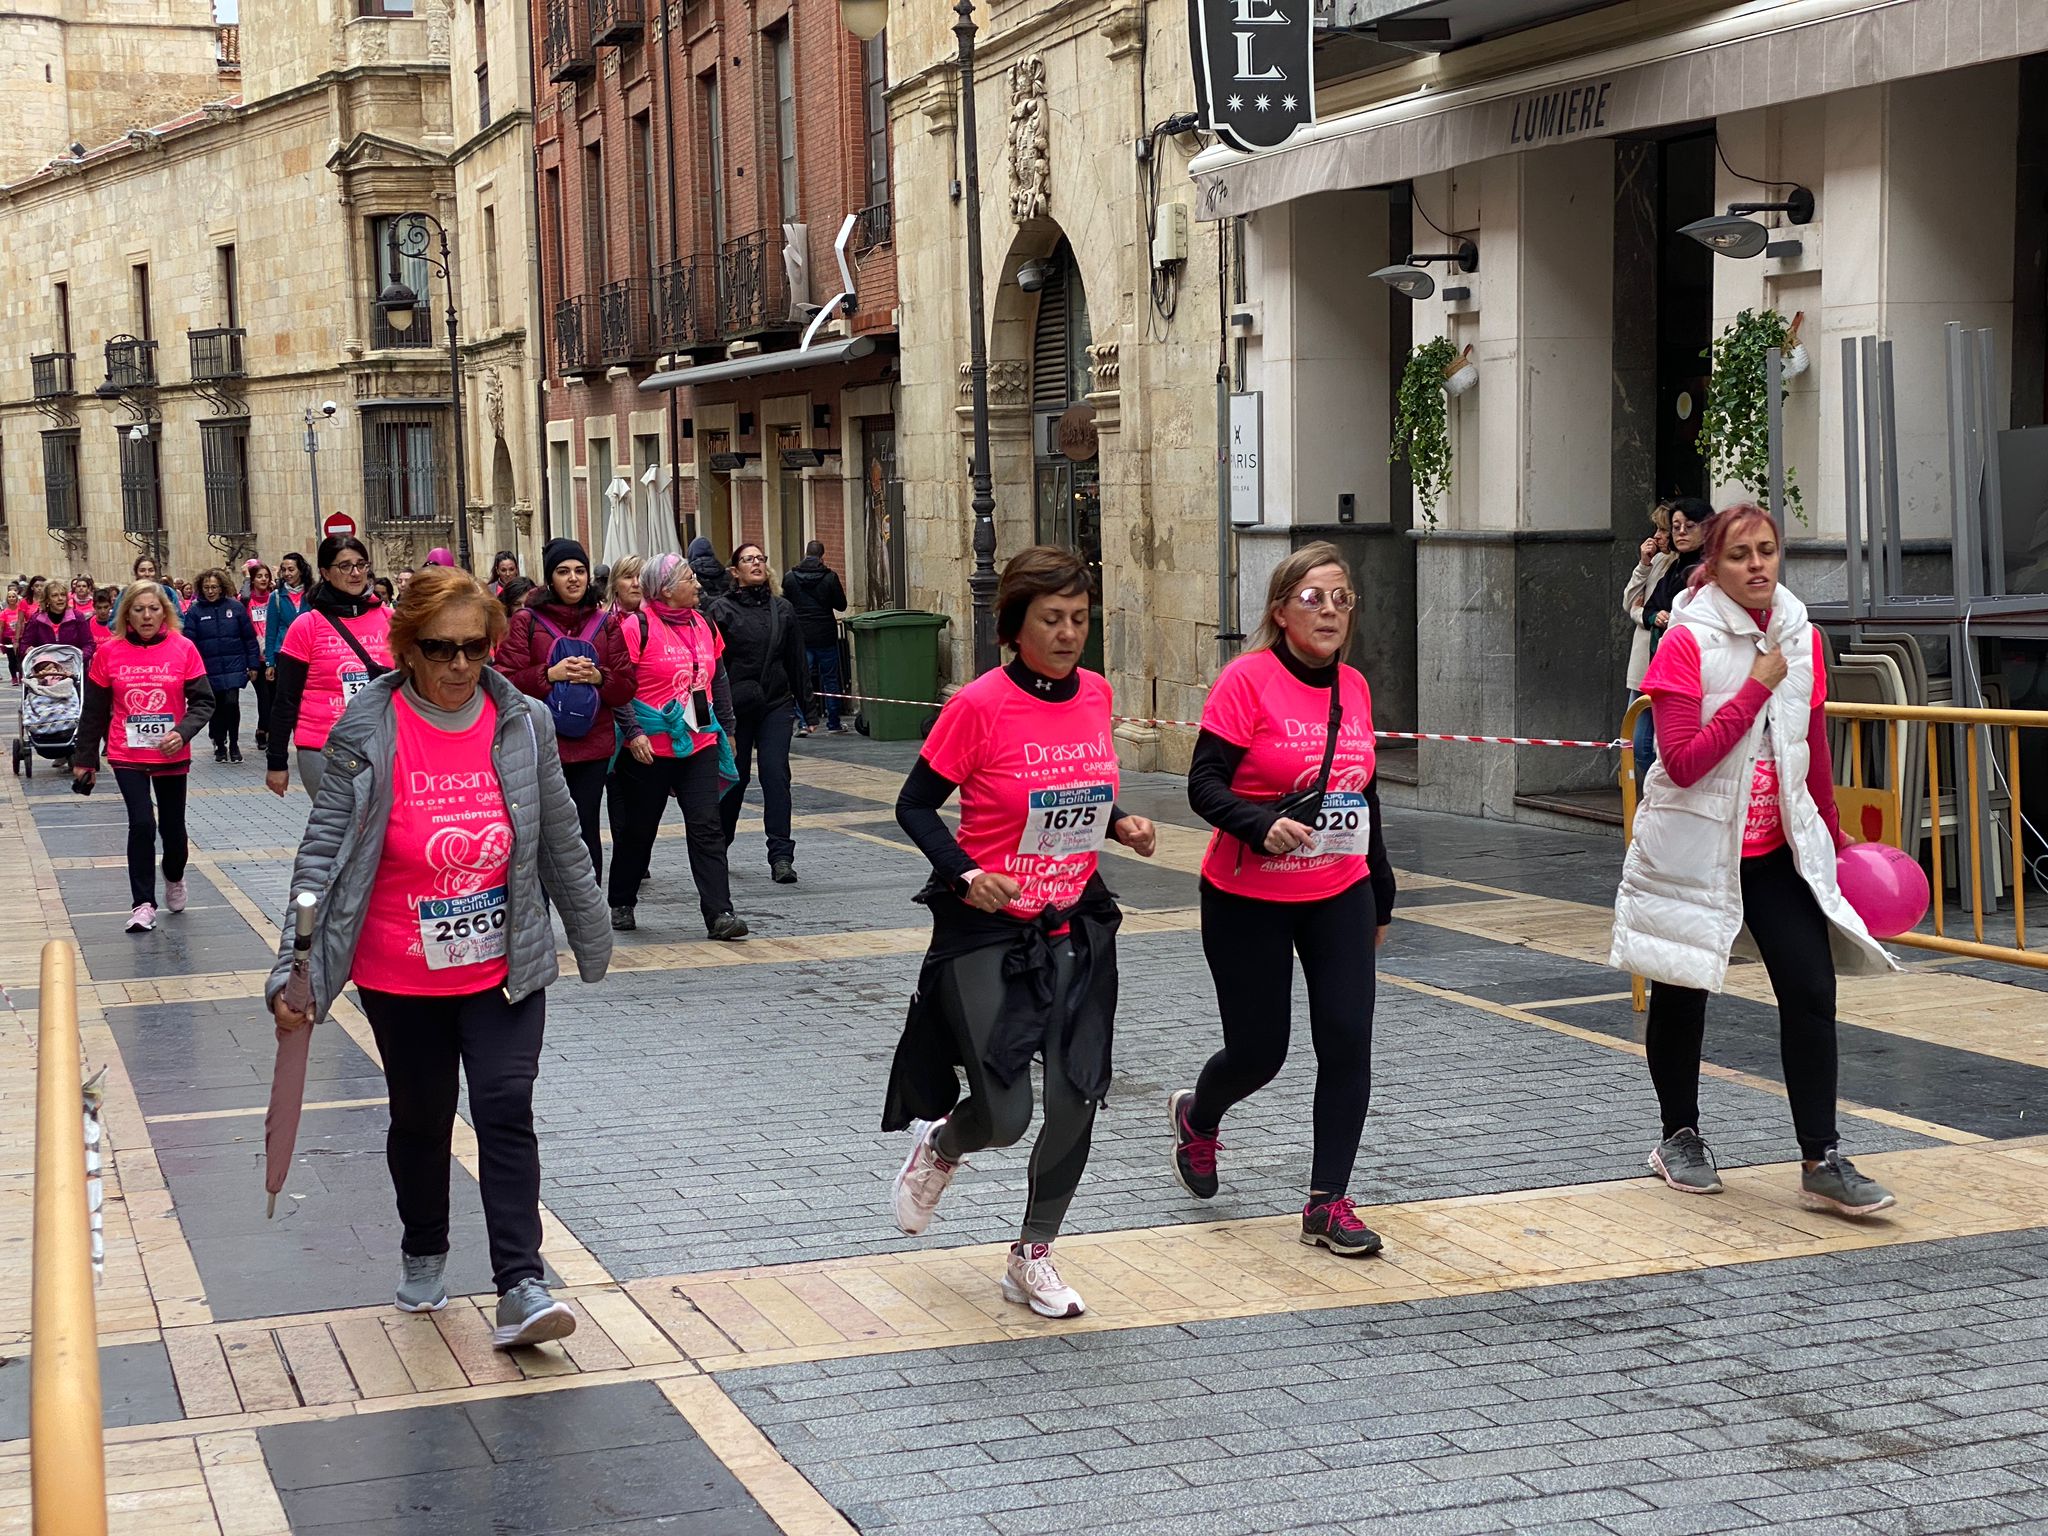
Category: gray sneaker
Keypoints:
(1836, 1186)
(1685, 1162)
(422, 1289)
(527, 1314)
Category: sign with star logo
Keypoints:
(1254, 80)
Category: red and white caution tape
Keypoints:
(1196, 725)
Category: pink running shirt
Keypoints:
(674, 661)
(148, 685)
(334, 673)
(436, 924)
(1283, 723)
(1033, 775)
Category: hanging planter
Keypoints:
(1422, 435)
(1797, 360)
(1461, 375)
(1734, 436)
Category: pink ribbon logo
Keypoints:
(463, 861)
(145, 701)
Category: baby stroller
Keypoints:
(52, 696)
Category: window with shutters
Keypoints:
(224, 463)
(142, 485)
(60, 480)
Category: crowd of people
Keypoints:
(459, 742)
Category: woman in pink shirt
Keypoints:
(1284, 771)
(331, 653)
(146, 697)
(260, 584)
(1023, 955)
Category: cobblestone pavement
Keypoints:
(1551, 1343)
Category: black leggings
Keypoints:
(1251, 945)
(497, 1046)
(224, 727)
(586, 788)
(1791, 933)
(764, 733)
(996, 1114)
(640, 793)
(265, 688)
(145, 824)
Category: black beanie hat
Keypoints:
(555, 552)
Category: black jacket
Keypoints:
(290, 690)
(815, 592)
(1667, 591)
(764, 648)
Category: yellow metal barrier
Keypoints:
(67, 1458)
(1978, 750)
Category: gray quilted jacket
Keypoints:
(344, 842)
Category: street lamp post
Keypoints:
(410, 237)
(314, 416)
(865, 18)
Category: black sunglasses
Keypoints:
(444, 650)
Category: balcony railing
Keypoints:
(616, 21)
(217, 353)
(625, 330)
(51, 372)
(131, 363)
(681, 316)
(753, 289)
(873, 226)
(419, 334)
(573, 350)
(565, 45)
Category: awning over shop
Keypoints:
(1756, 55)
(761, 362)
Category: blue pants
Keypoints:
(823, 661)
(1645, 744)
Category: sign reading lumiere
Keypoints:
(1254, 82)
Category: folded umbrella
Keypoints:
(294, 1046)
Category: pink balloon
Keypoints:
(1887, 889)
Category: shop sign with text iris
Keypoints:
(1254, 83)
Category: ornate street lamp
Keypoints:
(865, 20)
(410, 237)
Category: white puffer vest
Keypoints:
(1678, 914)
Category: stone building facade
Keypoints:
(179, 301)
(697, 164)
(1103, 364)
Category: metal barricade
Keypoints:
(1982, 750)
(67, 1456)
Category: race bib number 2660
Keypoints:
(463, 930)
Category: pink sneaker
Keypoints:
(174, 895)
(922, 1178)
(1032, 1281)
(142, 919)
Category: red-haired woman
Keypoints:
(1738, 830)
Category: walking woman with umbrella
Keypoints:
(440, 834)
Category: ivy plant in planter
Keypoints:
(1734, 436)
(1421, 432)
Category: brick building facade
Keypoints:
(695, 169)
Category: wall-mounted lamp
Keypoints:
(1737, 235)
(1032, 276)
(1409, 280)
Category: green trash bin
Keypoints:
(896, 656)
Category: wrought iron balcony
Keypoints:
(217, 353)
(753, 287)
(873, 226)
(131, 363)
(51, 372)
(419, 334)
(573, 337)
(616, 21)
(565, 45)
(625, 330)
(681, 316)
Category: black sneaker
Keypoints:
(220, 754)
(728, 926)
(782, 871)
(234, 754)
(1194, 1155)
(1334, 1225)
(1685, 1162)
(622, 920)
(262, 740)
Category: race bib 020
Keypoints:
(1343, 828)
(1065, 823)
(146, 732)
(463, 930)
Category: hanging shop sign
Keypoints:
(1075, 433)
(1254, 82)
(1247, 479)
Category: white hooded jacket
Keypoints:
(1678, 914)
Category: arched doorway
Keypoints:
(503, 495)
(1066, 473)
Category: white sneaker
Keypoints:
(922, 1178)
(1032, 1281)
(142, 919)
(174, 895)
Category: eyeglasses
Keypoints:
(1311, 599)
(751, 560)
(350, 567)
(444, 650)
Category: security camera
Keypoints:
(1034, 275)
(77, 150)
(328, 408)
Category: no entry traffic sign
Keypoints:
(337, 525)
